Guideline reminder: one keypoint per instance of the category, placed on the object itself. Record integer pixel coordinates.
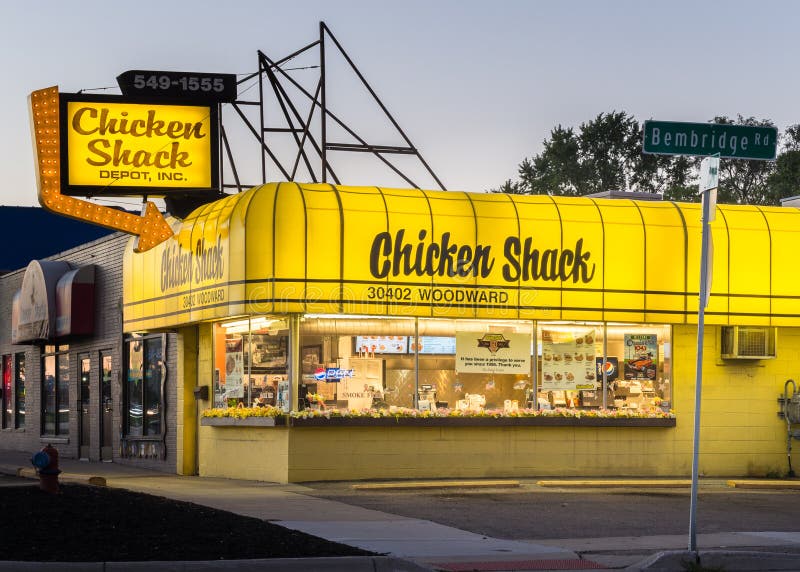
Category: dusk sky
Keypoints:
(476, 85)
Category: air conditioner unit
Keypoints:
(748, 342)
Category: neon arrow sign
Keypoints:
(151, 228)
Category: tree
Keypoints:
(606, 154)
(784, 181)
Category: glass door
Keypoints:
(85, 392)
(106, 407)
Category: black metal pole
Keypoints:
(260, 134)
(324, 114)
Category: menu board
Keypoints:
(641, 356)
(568, 360)
(234, 367)
(366, 345)
(435, 345)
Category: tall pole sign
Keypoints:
(714, 141)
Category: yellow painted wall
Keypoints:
(741, 435)
(187, 406)
(250, 453)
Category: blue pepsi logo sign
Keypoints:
(337, 373)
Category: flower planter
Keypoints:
(246, 422)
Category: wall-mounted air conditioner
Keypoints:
(748, 342)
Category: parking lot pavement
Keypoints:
(614, 527)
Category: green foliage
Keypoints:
(606, 154)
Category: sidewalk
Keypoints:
(410, 544)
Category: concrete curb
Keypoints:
(627, 483)
(396, 485)
(773, 484)
(64, 477)
(334, 564)
(730, 561)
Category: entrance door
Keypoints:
(106, 407)
(84, 430)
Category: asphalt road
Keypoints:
(531, 512)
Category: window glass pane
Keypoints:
(636, 373)
(250, 362)
(49, 395)
(570, 362)
(134, 387)
(644, 356)
(85, 374)
(8, 395)
(466, 364)
(19, 393)
(105, 379)
(492, 366)
(63, 393)
(152, 386)
(84, 399)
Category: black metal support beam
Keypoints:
(299, 125)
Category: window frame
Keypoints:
(7, 401)
(19, 390)
(58, 353)
(126, 427)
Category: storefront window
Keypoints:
(144, 377)
(55, 390)
(470, 365)
(19, 392)
(575, 364)
(251, 358)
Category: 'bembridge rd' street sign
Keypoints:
(730, 141)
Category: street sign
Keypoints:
(709, 173)
(729, 141)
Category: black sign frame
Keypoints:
(187, 86)
(114, 190)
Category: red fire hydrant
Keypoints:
(46, 463)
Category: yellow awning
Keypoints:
(317, 248)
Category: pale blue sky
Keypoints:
(477, 85)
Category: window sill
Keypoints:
(437, 422)
(482, 422)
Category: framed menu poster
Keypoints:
(568, 360)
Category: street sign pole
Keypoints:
(714, 141)
(709, 170)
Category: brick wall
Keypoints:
(107, 255)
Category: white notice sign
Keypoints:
(493, 353)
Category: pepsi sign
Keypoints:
(612, 368)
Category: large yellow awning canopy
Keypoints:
(317, 248)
